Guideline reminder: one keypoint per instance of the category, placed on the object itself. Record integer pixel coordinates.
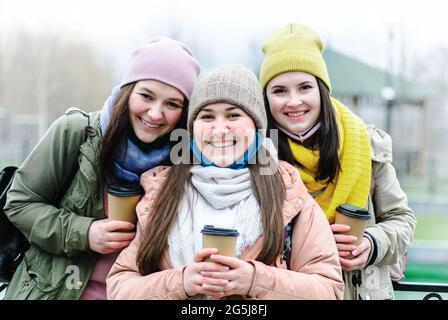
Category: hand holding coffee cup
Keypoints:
(222, 239)
(356, 218)
(122, 200)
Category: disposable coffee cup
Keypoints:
(355, 217)
(222, 239)
(122, 200)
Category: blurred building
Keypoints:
(391, 103)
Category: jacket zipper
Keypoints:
(356, 282)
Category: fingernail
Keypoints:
(354, 252)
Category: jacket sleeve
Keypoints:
(36, 186)
(395, 221)
(315, 269)
(125, 281)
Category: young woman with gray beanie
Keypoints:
(225, 187)
(73, 243)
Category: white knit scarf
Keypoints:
(216, 196)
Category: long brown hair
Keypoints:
(269, 190)
(326, 139)
(116, 133)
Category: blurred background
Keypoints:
(388, 62)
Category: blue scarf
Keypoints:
(134, 157)
(239, 163)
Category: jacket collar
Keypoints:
(296, 194)
(91, 147)
(380, 145)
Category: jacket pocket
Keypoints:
(79, 191)
(36, 287)
(384, 293)
(376, 284)
(30, 285)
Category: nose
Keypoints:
(155, 112)
(220, 126)
(294, 100)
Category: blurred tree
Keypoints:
(44, 74)
(256, 53)
(430, 68)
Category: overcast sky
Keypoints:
(224, 28)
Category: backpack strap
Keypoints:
(90, 131)
(77, 123)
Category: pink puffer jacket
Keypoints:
(315, 270)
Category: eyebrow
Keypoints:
(175, 100)
(300, 84)
(153, 93)
(206, 109)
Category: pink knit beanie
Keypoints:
(166, 60)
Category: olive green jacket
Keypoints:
(390, 229)
(59, 262)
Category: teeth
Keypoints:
(149, 125)
(297, 114)
(222, 144)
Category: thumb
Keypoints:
(363, 246)
(203, 253)
(113, 225)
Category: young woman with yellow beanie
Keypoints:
(329, 145)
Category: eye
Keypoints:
(306, 87)
(146, 96)
(233, 115)
(278, 91)
(173, 105)
(205, 117)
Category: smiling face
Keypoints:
(223, 132)
(154, 109)
(294, 101)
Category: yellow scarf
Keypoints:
(352, 183)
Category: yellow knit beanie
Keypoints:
(293, 48)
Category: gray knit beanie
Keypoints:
(234, 84)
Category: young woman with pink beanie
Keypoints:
(73, 243)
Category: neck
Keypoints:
(160, 142)
(239, 163)
(300, 136)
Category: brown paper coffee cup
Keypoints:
(121, 202)
(355, 217)
(220, 238)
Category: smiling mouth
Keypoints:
(296, 114)
(149, 124)
(222, 144)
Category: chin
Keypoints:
(147, 139)
(295, 129)
(221, 163)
